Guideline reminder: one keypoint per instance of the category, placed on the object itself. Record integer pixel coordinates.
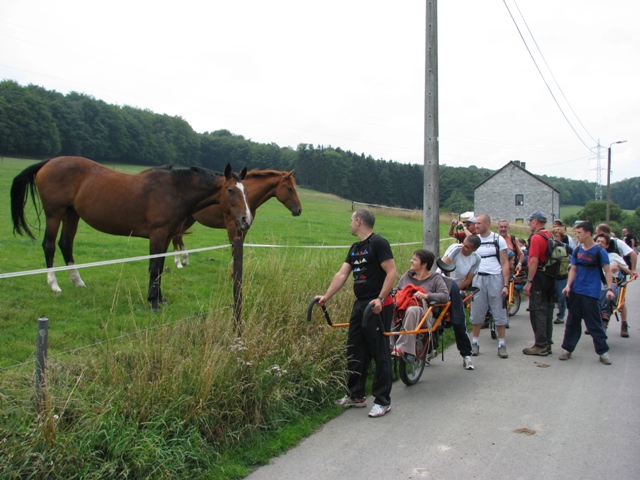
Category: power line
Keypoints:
(544, 79)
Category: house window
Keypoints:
(519, 200)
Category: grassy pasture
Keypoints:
(171, 394)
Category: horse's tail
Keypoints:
(23, 185)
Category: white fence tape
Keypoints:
(172, 254)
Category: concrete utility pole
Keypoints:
(431, 223)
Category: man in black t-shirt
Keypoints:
(374, 273)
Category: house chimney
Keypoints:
(523, 165)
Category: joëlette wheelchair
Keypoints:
(428, 331)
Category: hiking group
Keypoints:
(577, 276)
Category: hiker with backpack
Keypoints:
(540, 287)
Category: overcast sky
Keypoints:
(350, 73)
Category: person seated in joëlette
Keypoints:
(425, 287)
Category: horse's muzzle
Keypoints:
(296, 212)
(244, 224)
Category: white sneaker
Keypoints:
(379, 410)
(347, 402)
(467, 363)
(565, 355)
(604, 358)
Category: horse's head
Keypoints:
(233, 198)
(287, 195)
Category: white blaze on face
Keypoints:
(246, 205)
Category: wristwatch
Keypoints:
(381, 299)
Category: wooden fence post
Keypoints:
(238, 246)
(41, 362)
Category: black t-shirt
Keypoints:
(365, 258)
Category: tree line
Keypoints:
(40, 123)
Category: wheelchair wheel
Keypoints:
(410, 372)
(513, 308)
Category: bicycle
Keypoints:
(516, 286)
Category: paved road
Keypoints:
(463, 424)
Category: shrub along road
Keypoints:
(521, 417)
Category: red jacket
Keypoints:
(404, 297)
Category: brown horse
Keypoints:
(261, 185)
(153, 204)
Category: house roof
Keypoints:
(517, 166)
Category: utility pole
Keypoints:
(598, 174)
(609, 176)
(431, 211)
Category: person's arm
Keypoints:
(506, 270)
(466, 283)
(337, 282)
(572, 275)
(634, 259)
(452, 227)
(389, 266)
(607, 275)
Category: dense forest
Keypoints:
(40, 123)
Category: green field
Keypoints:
(138, 394)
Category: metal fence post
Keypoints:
(41, 362)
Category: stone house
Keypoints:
(513, 193)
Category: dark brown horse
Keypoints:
(153, 204)
(261, 186)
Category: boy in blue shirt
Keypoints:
(588, 262)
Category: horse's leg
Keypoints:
(156, 245)
(178, 245)
(49, 247)
(69, 230)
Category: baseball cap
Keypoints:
(558, 222)
(470, 220)
(538, 215)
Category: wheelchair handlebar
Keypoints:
(324, 311)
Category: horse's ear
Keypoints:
(227, 171)
(243, 173)
(289, 174)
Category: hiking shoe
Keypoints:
(535, 350)
(565, 355)
(467, 363)
(502, 351)
(379, 410)
(558, 321)
(347, 402)
(604, 358)
(549, 352)
(624, 330)
(475, 349)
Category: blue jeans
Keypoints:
(562, 304)
(587, 308)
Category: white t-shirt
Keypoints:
(490, 263)
(623, 248)
(463, 264)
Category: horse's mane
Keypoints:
(270, 173)
(183, 174)
(265, 173)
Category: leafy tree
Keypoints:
(596, 212)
